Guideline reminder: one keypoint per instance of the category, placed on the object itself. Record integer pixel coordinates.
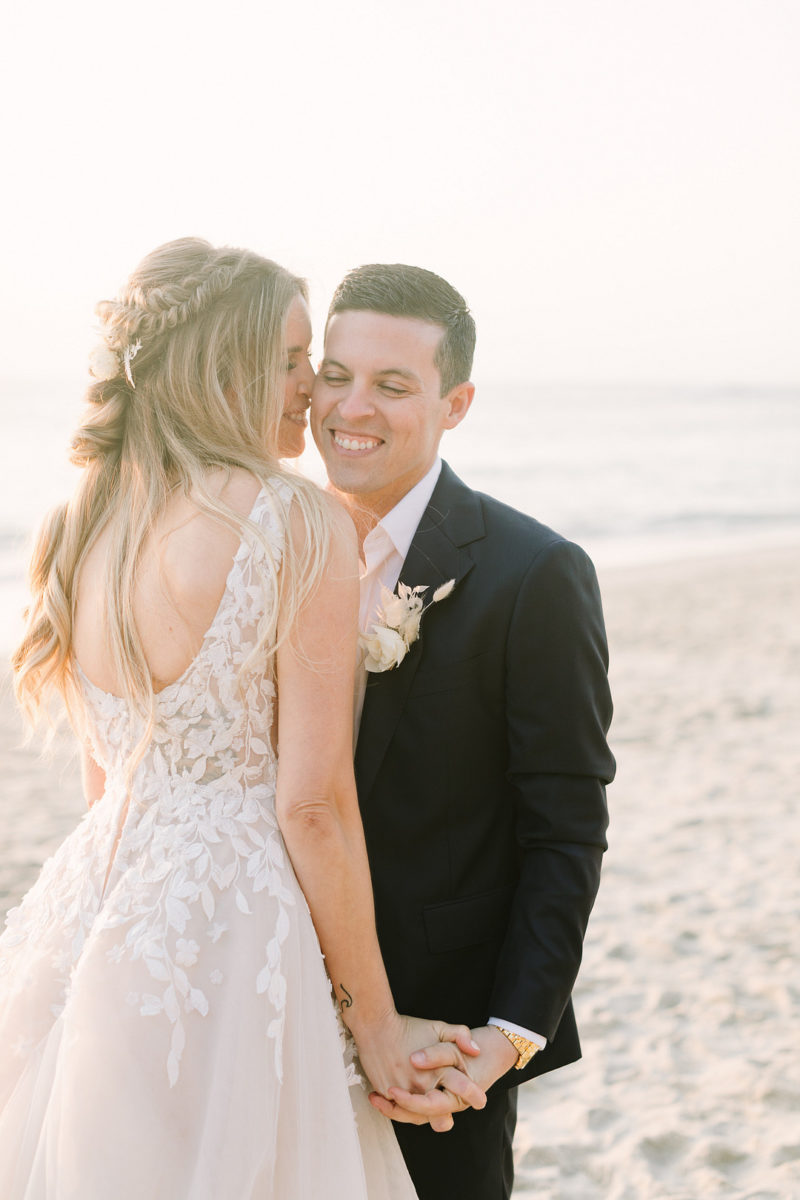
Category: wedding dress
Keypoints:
(167, 1030)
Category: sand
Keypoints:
(690, 991)
(689, 994)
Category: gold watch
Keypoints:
(524, 1048)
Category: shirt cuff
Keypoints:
(537, 1038)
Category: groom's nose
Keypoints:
(357, 403)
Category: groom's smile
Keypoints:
(377, 411)
(353, 443)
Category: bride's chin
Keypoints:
(292, 446)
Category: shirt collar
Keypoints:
(400, 523)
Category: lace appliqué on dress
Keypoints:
(196, 833)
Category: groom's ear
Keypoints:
(457, 404)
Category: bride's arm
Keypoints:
(316, 796)
(318, 814)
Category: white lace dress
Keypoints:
(167, 1030)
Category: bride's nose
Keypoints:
(307, 378)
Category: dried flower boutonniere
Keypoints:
(397, 627)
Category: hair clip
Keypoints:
(128, 355)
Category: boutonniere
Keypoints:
(397, 627)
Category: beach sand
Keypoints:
(689, 994)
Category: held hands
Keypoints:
(457, 1078)
(399, 1075)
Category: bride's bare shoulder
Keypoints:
(237, 488)
(344, 540)
(193, 547)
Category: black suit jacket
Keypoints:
(481, 767)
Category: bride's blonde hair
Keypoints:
(199, 335)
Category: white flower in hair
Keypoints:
(103, 363)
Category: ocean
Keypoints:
(634, 474)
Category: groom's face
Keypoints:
(376, 413)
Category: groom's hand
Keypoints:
(456, 1080)
(386, 1049)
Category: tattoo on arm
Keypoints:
(348, 1000)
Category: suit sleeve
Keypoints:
(558, 709)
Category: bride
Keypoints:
(167, 1029)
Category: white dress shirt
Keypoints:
(385, 550)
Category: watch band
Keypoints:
(524, 1048)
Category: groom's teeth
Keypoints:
(355, 443)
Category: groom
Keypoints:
(481, 760)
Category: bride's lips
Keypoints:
(297, 416)
(354, 443)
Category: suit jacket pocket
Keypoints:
(462, 923)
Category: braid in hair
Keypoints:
(102, 432)
(143, 312)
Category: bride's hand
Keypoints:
(385, 1052)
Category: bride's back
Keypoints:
(180, 580)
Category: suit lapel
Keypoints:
(451, 521)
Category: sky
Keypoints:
(612, 184)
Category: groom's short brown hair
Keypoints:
(401, 291)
